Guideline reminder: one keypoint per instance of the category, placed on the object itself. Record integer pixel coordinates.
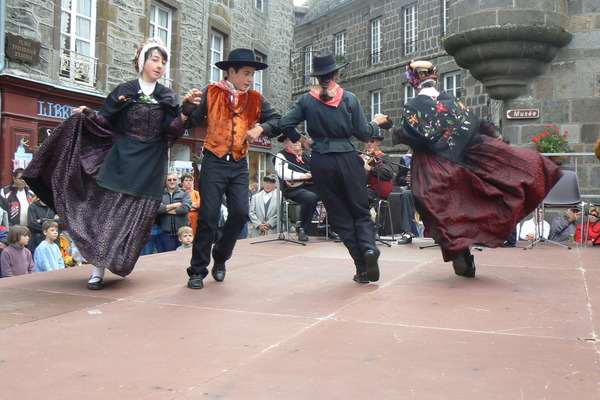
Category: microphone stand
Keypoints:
(280, 221)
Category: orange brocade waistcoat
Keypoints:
(227, 127)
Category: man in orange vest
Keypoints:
(235, 115)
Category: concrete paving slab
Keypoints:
(289, 323)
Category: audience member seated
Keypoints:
(529, 231)
(186, 237)
(16, 259)
(3, 244)
(173, 212)
(263, 208)
(294, 164)
(379, 170)
(562, 229)
(47, 256)
(407, 213)
(589, 231)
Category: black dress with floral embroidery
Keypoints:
(105, 178)
(468, 188)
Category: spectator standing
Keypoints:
(16, 258)
(187, 183)
(173, 212)
(562, 229)
(39, 212)
(263, 208)
(47, 256)
(15, 199)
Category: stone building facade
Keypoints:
(62, 54)
(496, 55)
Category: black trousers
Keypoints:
(307, 197)
(340, 181)
(407, 215)
(219, 177)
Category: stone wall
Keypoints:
(122, 25)
(567, 92)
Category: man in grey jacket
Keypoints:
(173, 212)
(263, 208)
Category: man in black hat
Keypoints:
(333, 116)
(235, 115)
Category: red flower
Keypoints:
(440, 107)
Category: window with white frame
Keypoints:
(339, 44)
(308, 53)
(410, 29)
(409, 93)
(376, 41)
(77, 41)
(160, 26)
(452, 83)
(259, 4)
(257, 81)
(445, 8)
(217, 42)
(375, 103)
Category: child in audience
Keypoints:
(186, 237)
(3, 243)
(47, 255)
(16, 258)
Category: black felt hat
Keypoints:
(241, 58)
(324, 63)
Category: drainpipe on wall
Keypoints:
(2, 32)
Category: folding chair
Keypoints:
(564, 194)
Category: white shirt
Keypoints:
(24, 204)
(147, 87)
(528, 228)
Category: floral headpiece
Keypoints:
(419, 72)
(140, 55)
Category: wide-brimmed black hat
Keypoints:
(241, 58)
(324, 63)
(378, 137)
(282, 138)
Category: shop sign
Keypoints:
(529, 113)
(55, 110)
(262, 142)
(23, 49)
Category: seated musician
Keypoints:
(379, 169)
(299, 186)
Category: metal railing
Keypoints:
(77, 68)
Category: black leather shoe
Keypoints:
(361, 278)
(334, 236)
(371, 258)
(218, 272)
(195, 282)
(302, 236)
(95, 285)
(464, 265)
(405, 239)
